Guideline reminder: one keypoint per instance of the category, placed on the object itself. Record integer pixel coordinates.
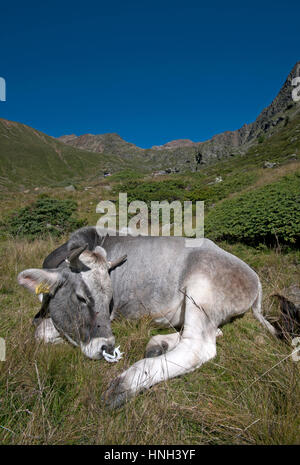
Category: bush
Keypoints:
(154, 190)
(215, 192)
(45, 216)
(267, 215)
(125, 176)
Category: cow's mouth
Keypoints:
(115, 357)
(108, 349)
(95, 347)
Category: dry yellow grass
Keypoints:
(52, 394)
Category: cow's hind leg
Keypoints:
(161, 344)
(197, 345)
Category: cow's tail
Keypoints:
(257, 311)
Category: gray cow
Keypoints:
(90, 280)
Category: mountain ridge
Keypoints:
(230, 140)
(29, 157)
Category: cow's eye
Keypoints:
(81, 299)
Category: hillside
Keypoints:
(108, 143)
(30, 158)
(180, 152)
(249, 393)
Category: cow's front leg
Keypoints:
(47, 332)
(197, 345)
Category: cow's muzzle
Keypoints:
(94, 349)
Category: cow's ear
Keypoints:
(39, 281)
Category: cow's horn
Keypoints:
(115, 263)
(74, 254)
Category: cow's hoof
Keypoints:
(156, 350)
(116, 394)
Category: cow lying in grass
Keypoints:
(90, 280)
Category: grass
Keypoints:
(31, 159)
(267, 214)
(52, 394)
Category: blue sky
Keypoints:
(150, 71)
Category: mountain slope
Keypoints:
(29, 157)
(108, 143)
(181, 151)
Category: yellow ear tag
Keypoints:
(42, 288)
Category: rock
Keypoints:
(159, 173)
(70, 188)
(268, 164)
(216, 181)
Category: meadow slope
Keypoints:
(249, 394)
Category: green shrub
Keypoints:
(45, 216)
(150, 191)
(215, 192)
(266, 215)
(125, 176)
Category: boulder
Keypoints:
(268, 164)
(70, 188)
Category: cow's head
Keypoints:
(77, 299)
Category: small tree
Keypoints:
(46, 215)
